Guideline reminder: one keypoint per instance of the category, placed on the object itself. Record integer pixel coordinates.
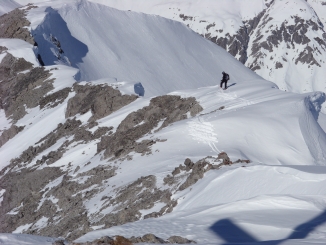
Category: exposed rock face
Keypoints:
(291, 35)
(69, 128)
(102, 100)
(236, 44)
(24, 187)
(22, 90)
(55, 99)
(13, 25)
(131, 199)
(61, 207)
(9, 133)
(167, 109)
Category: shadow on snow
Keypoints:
(233, 234)
(55, 40)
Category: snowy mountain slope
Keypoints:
(83, 157)
(294, 50)
(110, 46)
(8, 5)
(234, 223)
(261, 34)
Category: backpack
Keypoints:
(226, 77)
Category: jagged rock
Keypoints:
(189, 173)
(179, 240)
(55, 99)
(139, 195)
(69, 128)
(225, 158)
(10, 66)
(148, 238)
(10, 133)
(292, 35)
(198, 170)
(18, 91)
(120, 240)
(117, 240)
(151, 238)
(168, 108)
(58, 242)
(23, 192)
(13, 25)
(101, 100)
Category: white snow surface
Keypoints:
(131, 47)
(225, 17)
(279, 196)
(8, 5)
(19, 49)
(24, 239)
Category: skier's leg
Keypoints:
(221, 84)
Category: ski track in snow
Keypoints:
(203, 132)
(238, 101)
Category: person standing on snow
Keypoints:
(224, 80)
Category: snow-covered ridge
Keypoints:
(111, 46)
(261, 34)
(88, 160)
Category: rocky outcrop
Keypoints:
(166, 109)
(55, 98)
(291, 35)
(235, 44)
(71, 127)
(147, 238)
(128, 202)
(13, 25)
(9, 133)
(24, 190)
(19, 91)
(101, 100)
(188, 174)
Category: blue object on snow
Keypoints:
(139, 89)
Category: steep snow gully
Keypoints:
(84, 157)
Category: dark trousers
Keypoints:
(225, 84)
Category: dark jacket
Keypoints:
(226, 77)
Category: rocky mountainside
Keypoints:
(282, 41)
(90, 159)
